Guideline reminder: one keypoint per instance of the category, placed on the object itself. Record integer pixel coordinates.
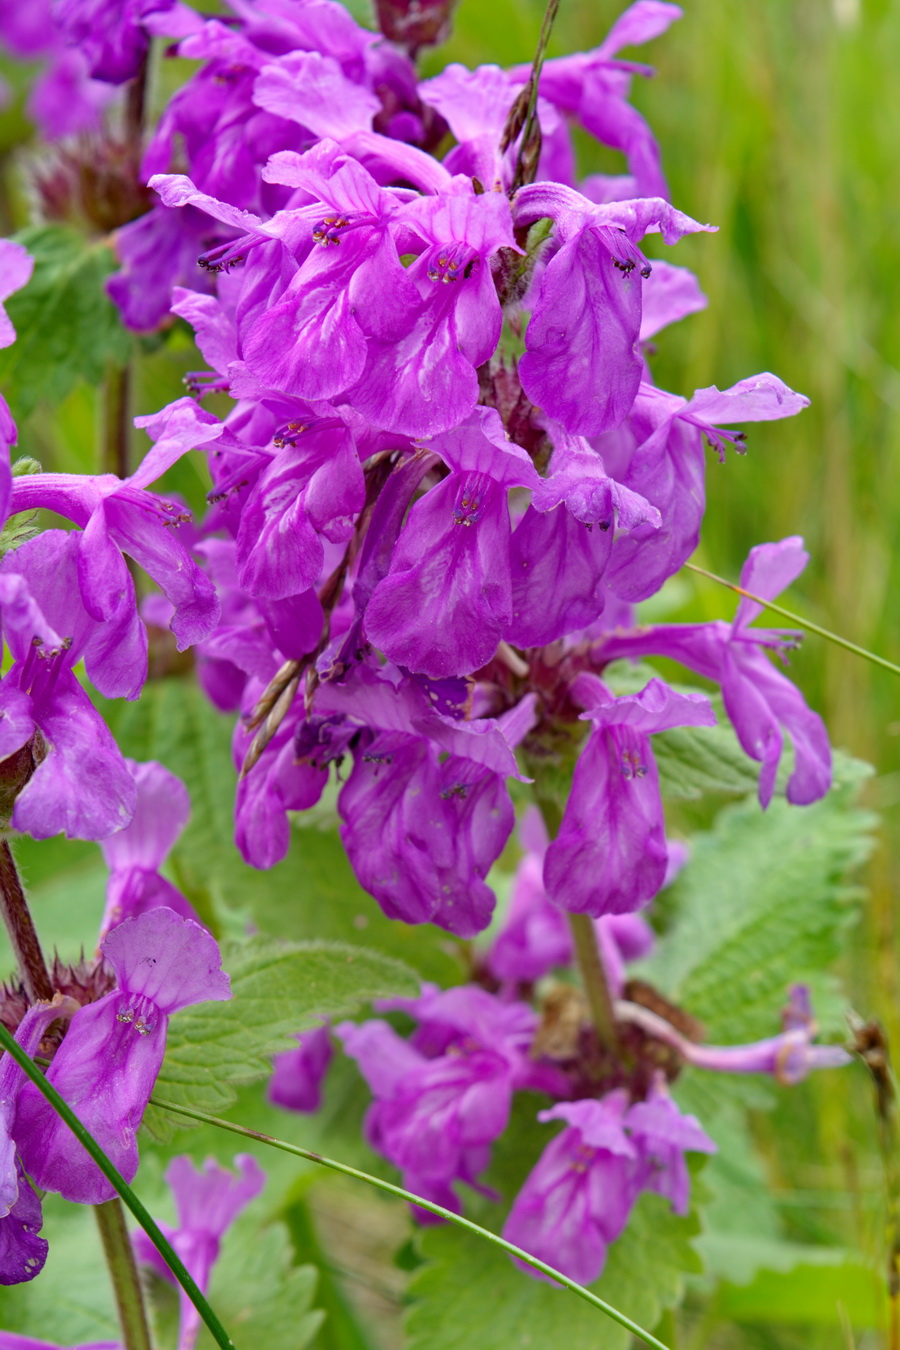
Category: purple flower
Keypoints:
(9, 1340)
(311, 88)
(475, 105)
(22, 1252)
(296, 1082)
(658, 452)
(662, 1136)
(447, 598)
(535, 936)
(441, 1100)
(669, 294)
(110, 33)
(562, 545)
(64, 100)
(593, 87)
(277, 784)
(425, 810)
(761, 702)
(610, 855)
(16, 267)
(157, 251)
(312, 487)
(123, 517)
(426, 341)
(578, 1197)
(582, 364)
(135, 854)
(207, 1200)
(112, 1053)
(788, 1057)
(80, 784)
(311, 343)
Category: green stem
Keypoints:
(144, 1218)
(593, 977)
(124, 1275)
(422, 1203)
(799, 620)
(584, 936)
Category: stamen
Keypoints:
(631, 765)
(328, 231)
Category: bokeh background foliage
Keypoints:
(779, 122)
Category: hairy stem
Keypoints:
(593, 977)
(115, 1178)
(422, 1203)
(587, 953)
(124, 1275)
(136, 107)
(117, 419)
(22, 933)
(530, 144)
(799, 620)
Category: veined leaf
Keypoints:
(278, 989)
(67, 328)
(761, 904)
(470, 1294)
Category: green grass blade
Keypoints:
(422, 1203)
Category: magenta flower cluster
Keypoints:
(445, 479)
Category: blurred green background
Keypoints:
(779, 121)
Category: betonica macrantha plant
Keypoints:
(443, 483)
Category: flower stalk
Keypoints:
(587, 953)
(21, 930)
(123, 1273)
(593, 976)
(116, 419)
(530, 144)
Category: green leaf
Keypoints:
(67, 328)
(469, 1294)
(314, 891)
(342, 1329)
(761, 904)
(262, 1299)
(278, 989)
(695, 760)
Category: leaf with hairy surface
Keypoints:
(278, 988)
